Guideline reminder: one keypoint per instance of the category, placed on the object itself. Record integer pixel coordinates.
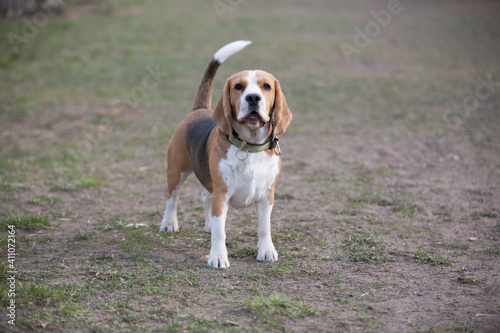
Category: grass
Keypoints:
(430, 258)
(479, 215)
(363, 238)
(24, 221)
(245, 252)
(83, 183)
(42, 239)
(42, 294)
(381, 200)
(269, 307)
(362, 246)
(493, 250)
(407, 209)
(467, 280)
(44, 200)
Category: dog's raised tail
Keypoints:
(203, 98)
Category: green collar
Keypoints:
(253, 147)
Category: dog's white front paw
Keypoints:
(218, 258)
(267, 252)
(172, 228)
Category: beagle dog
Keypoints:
(233, 151)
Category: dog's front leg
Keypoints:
(218, 252)
(265, 246)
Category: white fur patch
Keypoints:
(218, 252)
(252, 89)
(253, 184)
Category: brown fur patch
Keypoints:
(219, 145)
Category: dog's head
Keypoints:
(252, 99)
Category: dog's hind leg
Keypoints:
(169, 221)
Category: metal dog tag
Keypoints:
(241, 166)
(241, 155)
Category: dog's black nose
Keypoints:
(253, 99)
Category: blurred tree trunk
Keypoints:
(19, 8)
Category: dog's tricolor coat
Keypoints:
(232, 151)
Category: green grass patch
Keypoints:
(269, 307)
(110, 223)
(48, 303)
(139, 239)
(454, 245)
(4, 268)
(363, 246)
(407, 209)
(101, 257)
(24, 221)
(155, 214)
(81, 184)
(44, 200)
(80, 237)
(244, 252)
(41, 239)
(430, 258)
(487, 214)
(467, 280)
(195, 324)
(380, 199)
(364, 238)
(44, 294)
(492, 250)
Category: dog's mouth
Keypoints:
(254, 120)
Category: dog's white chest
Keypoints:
(253, 182)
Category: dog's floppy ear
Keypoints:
(222, 112)
(282, 114)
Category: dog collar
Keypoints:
(271, 143)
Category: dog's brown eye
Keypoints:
(239, 86)
(266, 86)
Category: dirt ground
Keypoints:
(387, 217)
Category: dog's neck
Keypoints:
(255, 136)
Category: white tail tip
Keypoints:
(230, 49)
